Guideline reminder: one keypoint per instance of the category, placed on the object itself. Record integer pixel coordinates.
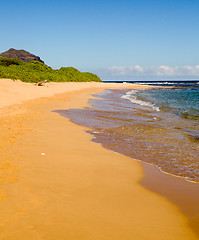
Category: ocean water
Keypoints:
(183, 101)
(158, 125)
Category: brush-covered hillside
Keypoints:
(35, 71)
(21, 65)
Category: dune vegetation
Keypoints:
(36, 71)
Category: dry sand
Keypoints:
(15, 92)
(56, 184)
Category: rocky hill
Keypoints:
(20, 54)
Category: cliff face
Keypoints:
(20, 54)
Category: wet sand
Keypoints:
(183, 194)
(57, 184)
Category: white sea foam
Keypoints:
(131, 96)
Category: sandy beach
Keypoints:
(57, 184)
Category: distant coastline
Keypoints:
(158, 82)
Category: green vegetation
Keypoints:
(9, 61)
(35, 71)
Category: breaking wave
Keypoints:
(131, 96)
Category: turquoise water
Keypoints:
(182, 101)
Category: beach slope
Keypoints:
(57, 184)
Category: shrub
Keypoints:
(9, 61)
(35, 71)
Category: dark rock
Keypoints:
(23, 55)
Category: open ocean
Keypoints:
(158, 125)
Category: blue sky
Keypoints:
(115, 39)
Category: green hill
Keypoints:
(35, 71)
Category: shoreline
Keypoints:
(77, 189)
(185, 194)
(182, 193)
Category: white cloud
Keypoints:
(122, 71)
(160, 71)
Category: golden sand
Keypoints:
(56, 184)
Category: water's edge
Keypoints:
(183, 194)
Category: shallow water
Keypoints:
(141, 131)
